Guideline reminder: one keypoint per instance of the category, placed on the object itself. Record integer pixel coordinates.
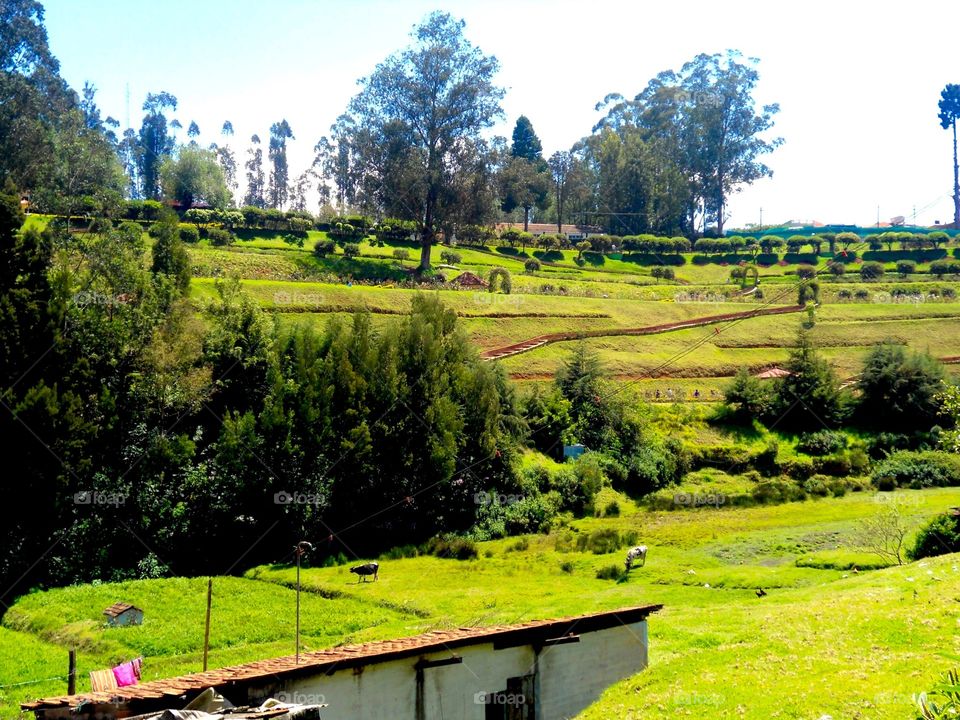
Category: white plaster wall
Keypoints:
(388, 691)
(573, 675)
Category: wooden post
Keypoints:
(72, 673)
(206, 632)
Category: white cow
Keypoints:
(637, 553)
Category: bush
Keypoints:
(449, 257)
(604, 541)
(906, 267)
(324, 248)
(189, 234)
(532, 265)
(823, 442)
(938, 537)
(777, 491)
(351, 250)
(799, 468)
(945, 267)
(806, 272)
(871, 271)
(219, 236)
(817, 485)
(530, 515)
(451, 546)
(612, 509)
(612, 572)
(401, 254)
(918, 470)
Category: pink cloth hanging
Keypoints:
(125, 674)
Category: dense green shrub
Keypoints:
(531, 265)
(822, 442)
(450, 257)
(777, 491)
(530, 514)
(451, 546)
(351, 250)
(798, 468)
(871, 271)
(906, 267)
(322, 248)
(218, 236)
(612, 572)
(945, 267)
(605, 540)
(940, 536)
(921, 469)
(189, 233)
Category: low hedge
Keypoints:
(928, 468)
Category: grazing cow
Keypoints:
(637, 553)
(362, 571)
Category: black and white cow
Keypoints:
(362, 571)
(637, 553)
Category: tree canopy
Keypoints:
(418, 117)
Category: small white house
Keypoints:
(541, 670)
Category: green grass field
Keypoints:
(823, 641)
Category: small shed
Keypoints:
(122, 613)
(468, 279)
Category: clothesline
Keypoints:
(33, 682)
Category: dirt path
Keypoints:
(541, 340)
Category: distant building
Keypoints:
(123, 614)
(773, 373)
(540, 670)
(572, 232)
(573, 451)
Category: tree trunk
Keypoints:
(526, 218)
(956, 180)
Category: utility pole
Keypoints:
(299, 550)
(206, 630)
(761, 220)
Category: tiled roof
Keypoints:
(351, 656)
(118, 609)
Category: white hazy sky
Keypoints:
(857, 82)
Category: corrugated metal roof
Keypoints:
(349, 655)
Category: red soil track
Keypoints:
(541, 340)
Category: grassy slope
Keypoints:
(863, 635)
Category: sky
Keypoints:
(857, 83)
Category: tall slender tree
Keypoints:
(227, 158)
(155, 142)
(255, 179)
(949, 113)
(280, 173)
(559, 164)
